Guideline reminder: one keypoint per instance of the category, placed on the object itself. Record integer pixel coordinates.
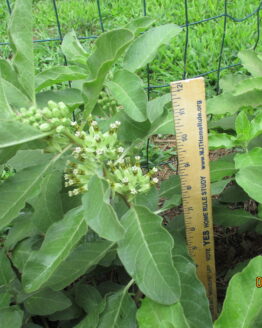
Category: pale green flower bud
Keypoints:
(60, 128)
(45, 127)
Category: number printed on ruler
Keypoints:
(188, 99)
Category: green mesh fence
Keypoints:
(188, 26)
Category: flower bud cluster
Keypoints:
(127, 178)
(107, 103)
(101, 153)
(53, 118)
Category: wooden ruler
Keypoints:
(189, 106)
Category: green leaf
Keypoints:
(140, 24)
(6, 273)
(11, 317)
(242, 310)
(170, 186)
(57, 75)
(71, 97)
(230, 81)
(252, 158)
(83, 258)
(249, 178)
(15, 97)
(243, 127)
(218, 186)
(256, 125)
(27, 158)
(248, 85)
(156, 106)
(155, 315)
(233, 194)
(6, 111)
(103, 219)
(127, 88)
(225, 123)
(228, 103)
(149, 199)
(218, 140)
(5, 298)
(92, 319)
(21, 36)
(22, 228)
(228, 217)
(47, 204)
(73, 50)
(163, 124)
(251, 62)
(109, 47)
(59, 241)
(21, 187)
(88, 297)
(221, 168)
(195, 304)
(14, 133)
(145, 47)
(120, 311)
(46, 302)
(7, 153)
(145, 252)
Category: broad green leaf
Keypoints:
(57, 75)
(256, 125)
(73, 50)
(225, 123)
(221, 168)
(243, 127)
(102, 219)
(46, 302)
(228, 217)
(249, 178)
(83, 258)
(72, 312)
(155, 315)
(228, 103)
(48, 204)
(170, 186)
(218, 140)
(251, 62)
(145, 252)
(218, 186)
(88, 297)
(127, 88)
(21, 36)
(15, 97)
(71, 97)
(11, 317)
(5, 298)
(9, 74)
(92, 319)
(193, 294)
(21, 187)
(27, 158)
(149, 199)
(7, 153)
(120, 311)
(109, 47)
(5, 111)
(59, 241)
(22, 228)
(248, 85)
(252, 158)
(140, 24)
(233, 194)
(6, 273)
(24, 249)
(145, 47)
(156, 106)
(230, 81)
(15, 133)
(242, 310)
(163, 124)
(173, 201)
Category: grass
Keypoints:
(204, 38)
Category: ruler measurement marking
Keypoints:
(188, 99)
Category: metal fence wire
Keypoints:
(187, 25)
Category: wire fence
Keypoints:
(225, 16)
